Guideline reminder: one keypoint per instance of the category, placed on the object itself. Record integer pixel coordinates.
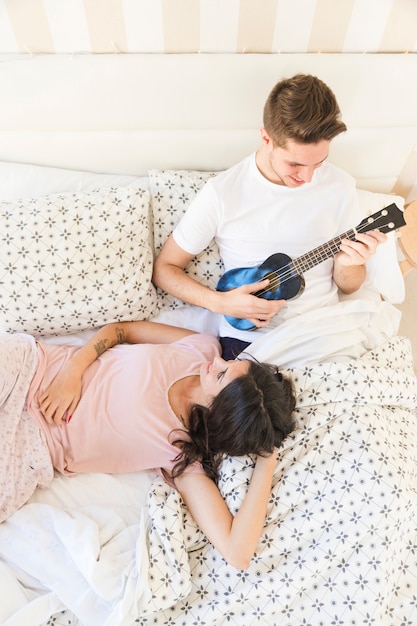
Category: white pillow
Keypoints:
(73, 261)
(24, 180)
(383, 270)
(171, 193)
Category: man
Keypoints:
(284, 198)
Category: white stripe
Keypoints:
(219, 23)
(68, 24)
(144, 25)
(293, 24)
(367, 25)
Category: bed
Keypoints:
(128, 140)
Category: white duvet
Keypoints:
(340, 541)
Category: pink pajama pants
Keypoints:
(25, 463)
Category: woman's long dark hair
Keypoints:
(251, 415)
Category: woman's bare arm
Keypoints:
(235, 537)
(60, 399)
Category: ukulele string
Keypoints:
(290, 270)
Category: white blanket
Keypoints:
(343, 331)
(338, 544)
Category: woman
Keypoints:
(170, 403)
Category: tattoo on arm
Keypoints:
(100, 347)
(120, 334)
(103, 345)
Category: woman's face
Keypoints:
(216, 375)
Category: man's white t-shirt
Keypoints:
(251, 218)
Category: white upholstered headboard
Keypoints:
(127, 113)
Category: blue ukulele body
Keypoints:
(285, 275)
(284, 282)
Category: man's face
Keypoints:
(294, 165)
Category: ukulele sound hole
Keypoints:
(274, 281)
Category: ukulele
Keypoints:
(286, 275)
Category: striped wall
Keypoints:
(231, 26)
(209, 26)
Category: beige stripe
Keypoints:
(407, 179)
(330, 24)
(105, 21)
(400, 33)
(181, 23)
(30, 26)
(256, 25)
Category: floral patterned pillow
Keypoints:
(171, 193)
(73, 261)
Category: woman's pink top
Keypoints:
(123, 420)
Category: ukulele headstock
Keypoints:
(385, 220)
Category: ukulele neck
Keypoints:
(322, 253)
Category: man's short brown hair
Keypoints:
(303, 109)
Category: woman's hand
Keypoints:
(60, 399)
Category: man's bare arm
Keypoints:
(169, 275)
